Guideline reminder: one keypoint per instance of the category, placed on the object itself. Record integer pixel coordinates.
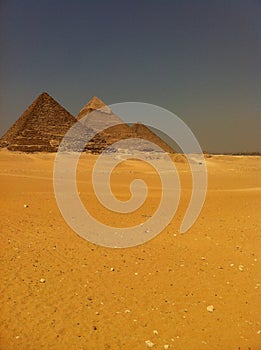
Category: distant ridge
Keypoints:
(40, 128)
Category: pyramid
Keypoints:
(40, 128)
(103, 116)
(45, 122)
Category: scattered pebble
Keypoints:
(135, 273)
(166, 346)
(149, 343)
(42, 280)
(210, 308)
(17, 337)
(241, 267)
(127, 311)
(155, 332)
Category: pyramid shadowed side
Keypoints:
(40, 128)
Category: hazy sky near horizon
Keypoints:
(200, 59)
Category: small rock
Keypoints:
(155, 332)
(149, 343)
(42, 280)
(166, 346)
(259, 332)
(127, 311)
(26, 205)
(136, 273)
(241, 267)
(112, 269)
(17, 337)
(210, 308)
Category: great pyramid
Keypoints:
(40, 128)
(102, 118)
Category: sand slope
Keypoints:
(158, 291)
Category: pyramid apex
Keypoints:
(44, 93)
(94, 104)
(96, 99)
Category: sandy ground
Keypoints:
(100, 298)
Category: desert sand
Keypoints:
(198, 290)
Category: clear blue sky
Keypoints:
(201, 59)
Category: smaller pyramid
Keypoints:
(144, 132)
(40, 128)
